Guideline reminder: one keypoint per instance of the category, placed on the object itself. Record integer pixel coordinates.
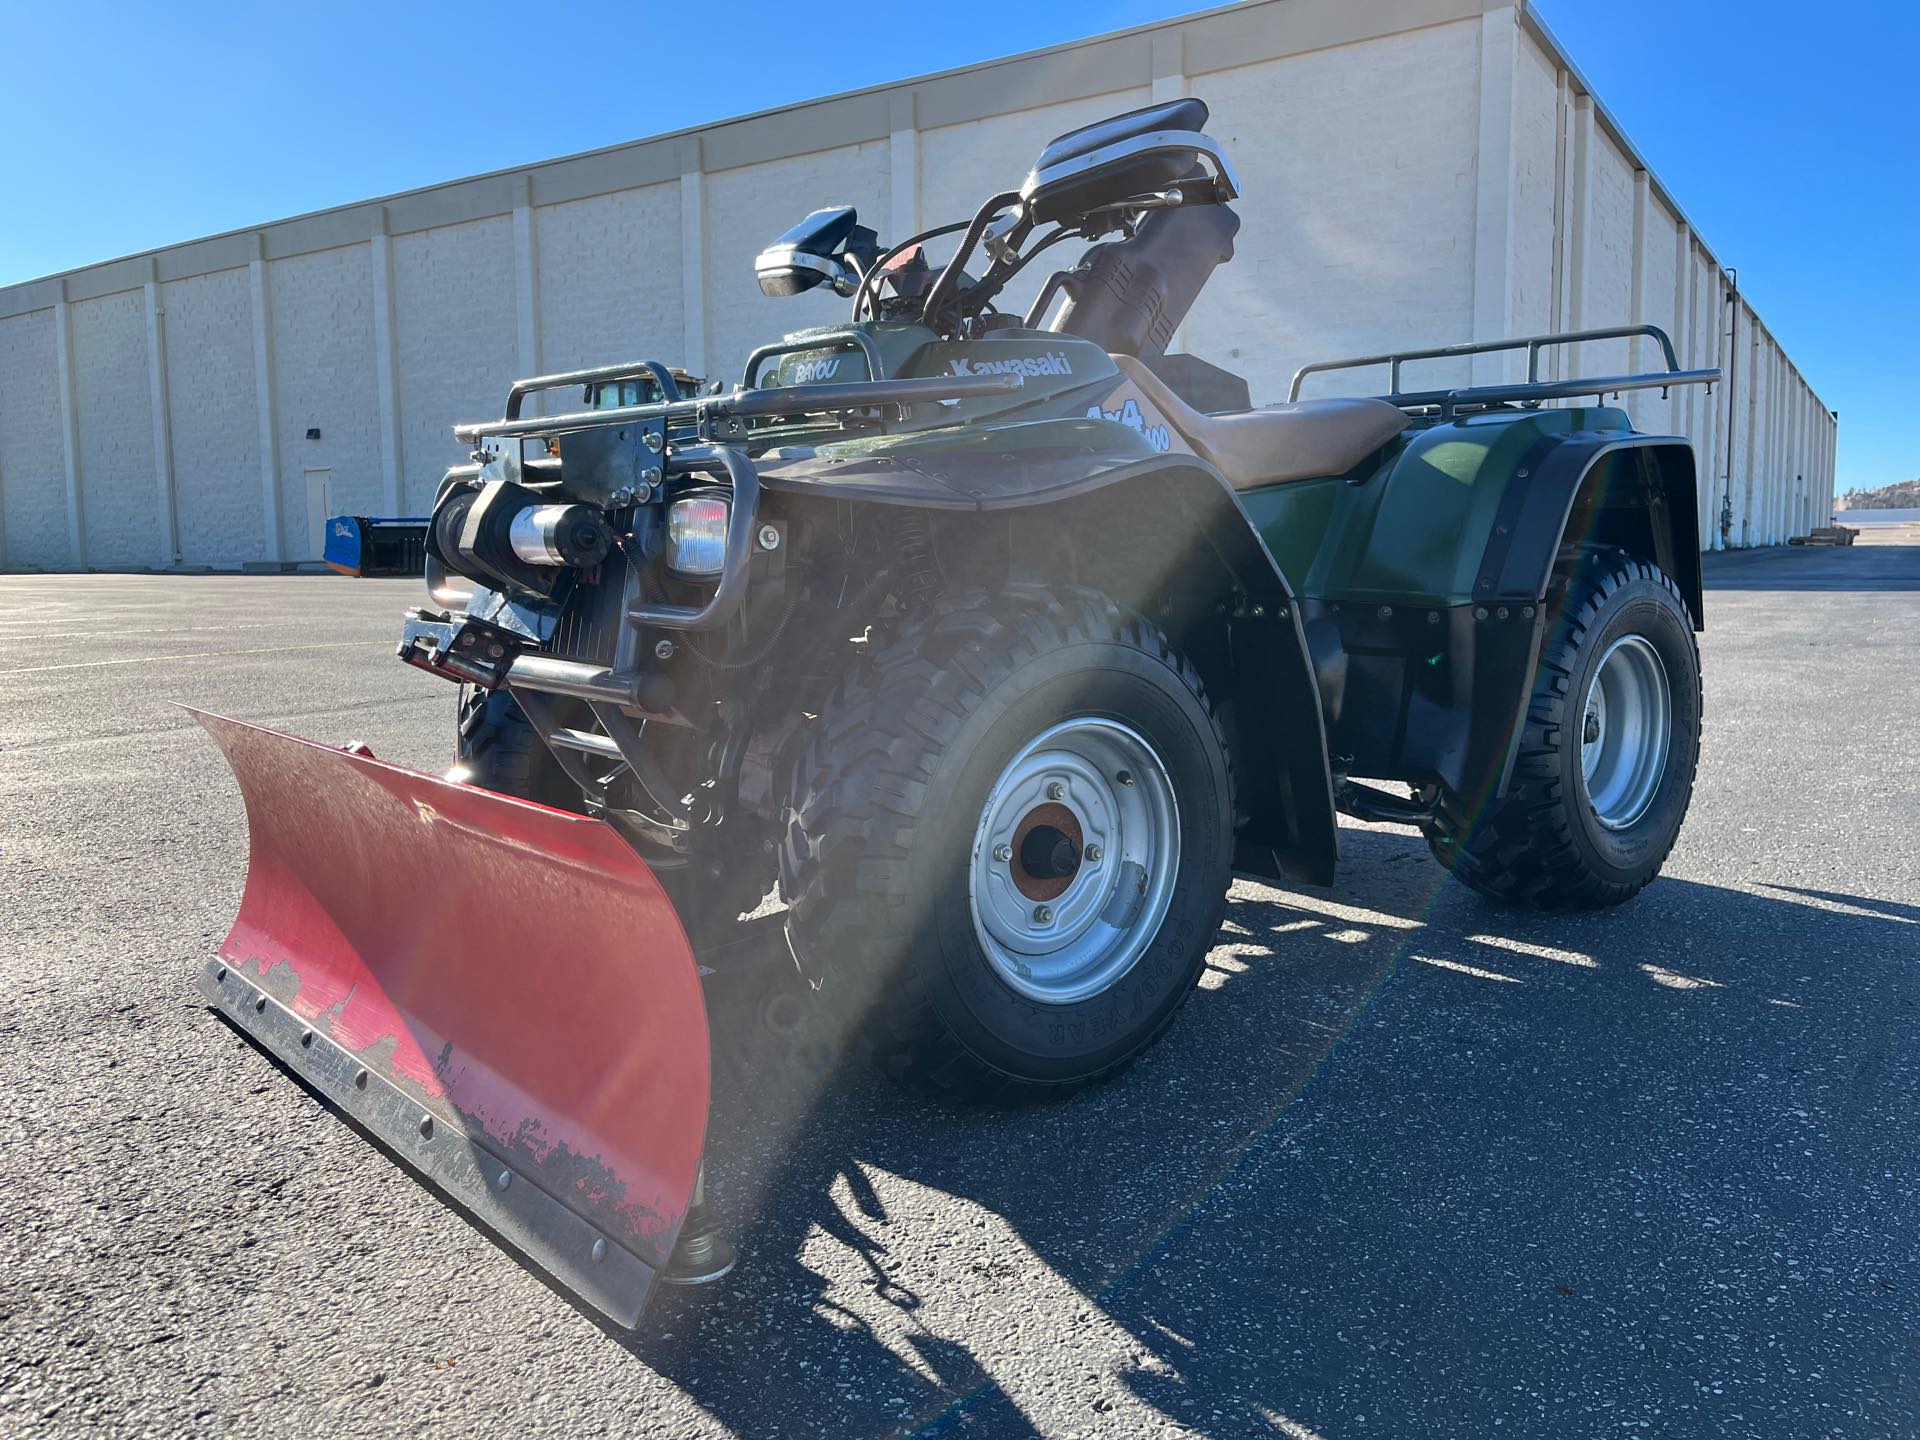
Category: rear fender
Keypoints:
(1634, 492)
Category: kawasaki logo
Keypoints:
(1052, 363)
(810, 372)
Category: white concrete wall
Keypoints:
(610, 270)
(1358, 215)
(33, 483)
(454, 337)
(216, 434)
(1416, 172)
(1627, 255)
(113, 402)
(324, 380)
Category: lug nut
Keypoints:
(1056, 791)
(1125, 777)
(1003, 853)
(1092, 853)
(1043, 913)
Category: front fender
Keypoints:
(1164, 534)
(1168, 537)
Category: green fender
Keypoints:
(1477, 508)
(1424, 571)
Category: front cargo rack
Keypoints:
(724, 417)
(1533, 391)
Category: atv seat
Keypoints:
(1301, 441)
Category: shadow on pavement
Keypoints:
(1564, 1161)
(1825, 568)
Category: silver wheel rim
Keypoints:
(1626, 728)
(1070, 926)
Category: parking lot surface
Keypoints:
(1409, 1163)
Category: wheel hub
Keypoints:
(1073, 860)
(1626, 730)
(1046, 851)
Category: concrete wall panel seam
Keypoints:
(526, 290)
(693, 271)
(162, 407)
(1496, 157)
(266, 411)
(70, 433)
(385, 369)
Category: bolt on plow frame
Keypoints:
(996, 644)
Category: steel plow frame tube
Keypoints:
(498, 992)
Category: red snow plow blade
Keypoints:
(499, 992)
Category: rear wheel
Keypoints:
(1008, 844)
(1606, 762)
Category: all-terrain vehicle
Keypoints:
(996, 645)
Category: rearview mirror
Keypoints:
(813, 251)
(787, 270)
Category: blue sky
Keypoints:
(1786, 130)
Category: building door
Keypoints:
(319, 507)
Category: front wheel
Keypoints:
(496, 747)
(1606, 761)
(1008, 847)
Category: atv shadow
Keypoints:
(1236, 1237)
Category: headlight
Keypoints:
(697, 535)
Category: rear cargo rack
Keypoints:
(1534, 390)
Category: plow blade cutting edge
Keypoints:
(499, 992)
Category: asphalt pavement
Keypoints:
(1408, 1164)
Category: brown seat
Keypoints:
(1301, 441)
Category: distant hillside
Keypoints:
(1901, 495)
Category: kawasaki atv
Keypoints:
(997, 644)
